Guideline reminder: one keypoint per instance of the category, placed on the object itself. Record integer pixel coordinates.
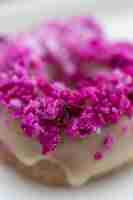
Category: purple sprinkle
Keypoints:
(108, 142)
(98, 155)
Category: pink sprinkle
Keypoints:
(98, 156)
(125, 129)
(108, 142)
(15, 103)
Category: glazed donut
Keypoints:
(66, 94)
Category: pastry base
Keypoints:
(45, 172)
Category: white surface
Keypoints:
(117, 16)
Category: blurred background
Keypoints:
(26, 12)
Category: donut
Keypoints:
(66, 101)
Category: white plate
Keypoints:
(117, 16)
